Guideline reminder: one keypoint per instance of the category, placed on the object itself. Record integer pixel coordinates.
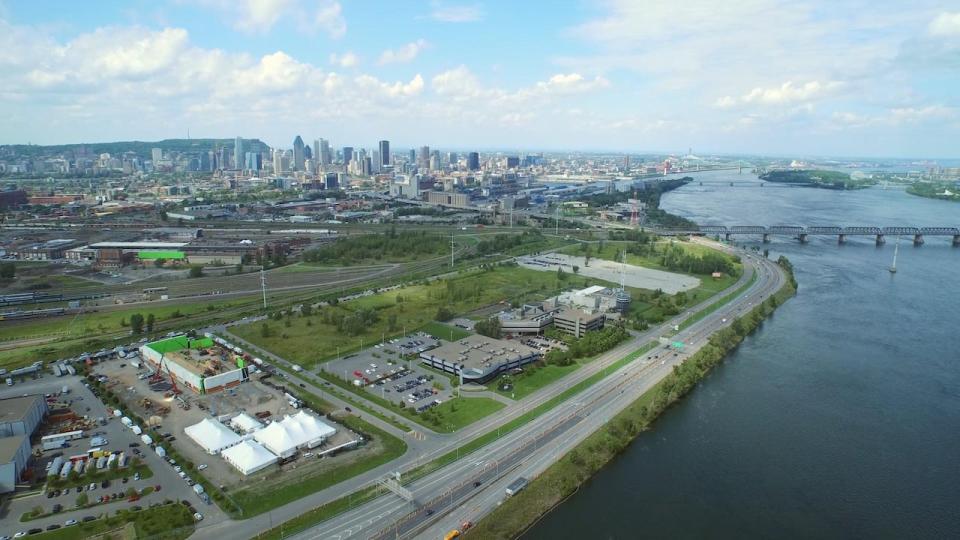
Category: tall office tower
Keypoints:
(473, 161)
(325, 157)
(156, 154)
(316, 152)
(375, 163)
(298, 157)
(423, 160)
(435, 161)
(237, 153)
(204, 161)
(222, 159)
(347, 155)
(277, 161)
(413, 156)
(367, 166)
(253, 162)
(452, 159)
(384, 153)
(307, 153)
(513, 162)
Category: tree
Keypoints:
(561, 275)
(159, 262)
(196, 271)
(265, 330)
(306, 310)
(576, 269)
(8, 270)
(444, 314)
(82, 500)
(136, 323)
(490, 328)
(150, 321)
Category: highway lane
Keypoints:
(643, 374)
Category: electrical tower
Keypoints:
(263, 287)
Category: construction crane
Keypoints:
(158, 375)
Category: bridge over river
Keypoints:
(802, 232)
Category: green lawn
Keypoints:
(171, 521)
(533, 379)
(457, 413)
(445, 331)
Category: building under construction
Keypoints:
(200, 364)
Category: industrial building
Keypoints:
(202, 364)
(19, 418)
(479, 359)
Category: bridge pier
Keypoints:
(841, 238)
(881, 240)
(726, 236)
(802, 237)
(956, 240)
(918, 239)
(766, 238)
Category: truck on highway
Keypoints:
(516, 486)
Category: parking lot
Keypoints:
(392, 370)
(116, 437)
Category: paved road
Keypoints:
(370, 518)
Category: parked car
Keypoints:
(70, 522)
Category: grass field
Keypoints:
(445, 331)
(171, 521)
(306, 340)
(532, 380)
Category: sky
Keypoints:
(871, 78)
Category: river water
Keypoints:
(839, 418)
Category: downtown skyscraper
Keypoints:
(384, 154)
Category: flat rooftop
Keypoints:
(14, 409)
(480, 352)
(9, 447)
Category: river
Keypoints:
(838, 418)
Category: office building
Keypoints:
(384, 153)
(347, 155)
(473, 161)
(413, 156)
(325, 157)
(423, 160)
(237, 153)
(317, 156)
(479, 359)
(577, 321)
(156, 154)
(298, 156)
(307, 153)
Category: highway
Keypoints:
(447, 496)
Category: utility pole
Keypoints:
(451, 251)
(263, 287)
(557, 232)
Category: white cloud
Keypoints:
(785, 94)
(451, 13)
(403, 54)
(260, 16)
(345, 60)
(946, 24)
(571, 83)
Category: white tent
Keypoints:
(302, 430)
(248, 457)
(245, 423)
(212, 435)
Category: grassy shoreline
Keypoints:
(563, 478)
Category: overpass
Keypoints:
(802, 232)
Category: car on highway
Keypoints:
(70, 522)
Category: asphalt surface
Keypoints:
(519, 452)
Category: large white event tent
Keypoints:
(248, 457)
(245, 423)
(301, 430)
(212, 436)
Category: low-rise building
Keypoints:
(577, 321)
(479, 359)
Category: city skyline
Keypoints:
(615, 76)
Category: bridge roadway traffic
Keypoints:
(520, 452)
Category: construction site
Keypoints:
(202, 364)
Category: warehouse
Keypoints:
(479, 359)
(212, 436)
(248, 457)
(197, 363)
(14, 453)
(21, 415)
(302, 430)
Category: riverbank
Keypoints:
(817, 178)
(564, 477)
(944, 191)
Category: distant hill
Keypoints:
(142, 148)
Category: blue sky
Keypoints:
(856, 78)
